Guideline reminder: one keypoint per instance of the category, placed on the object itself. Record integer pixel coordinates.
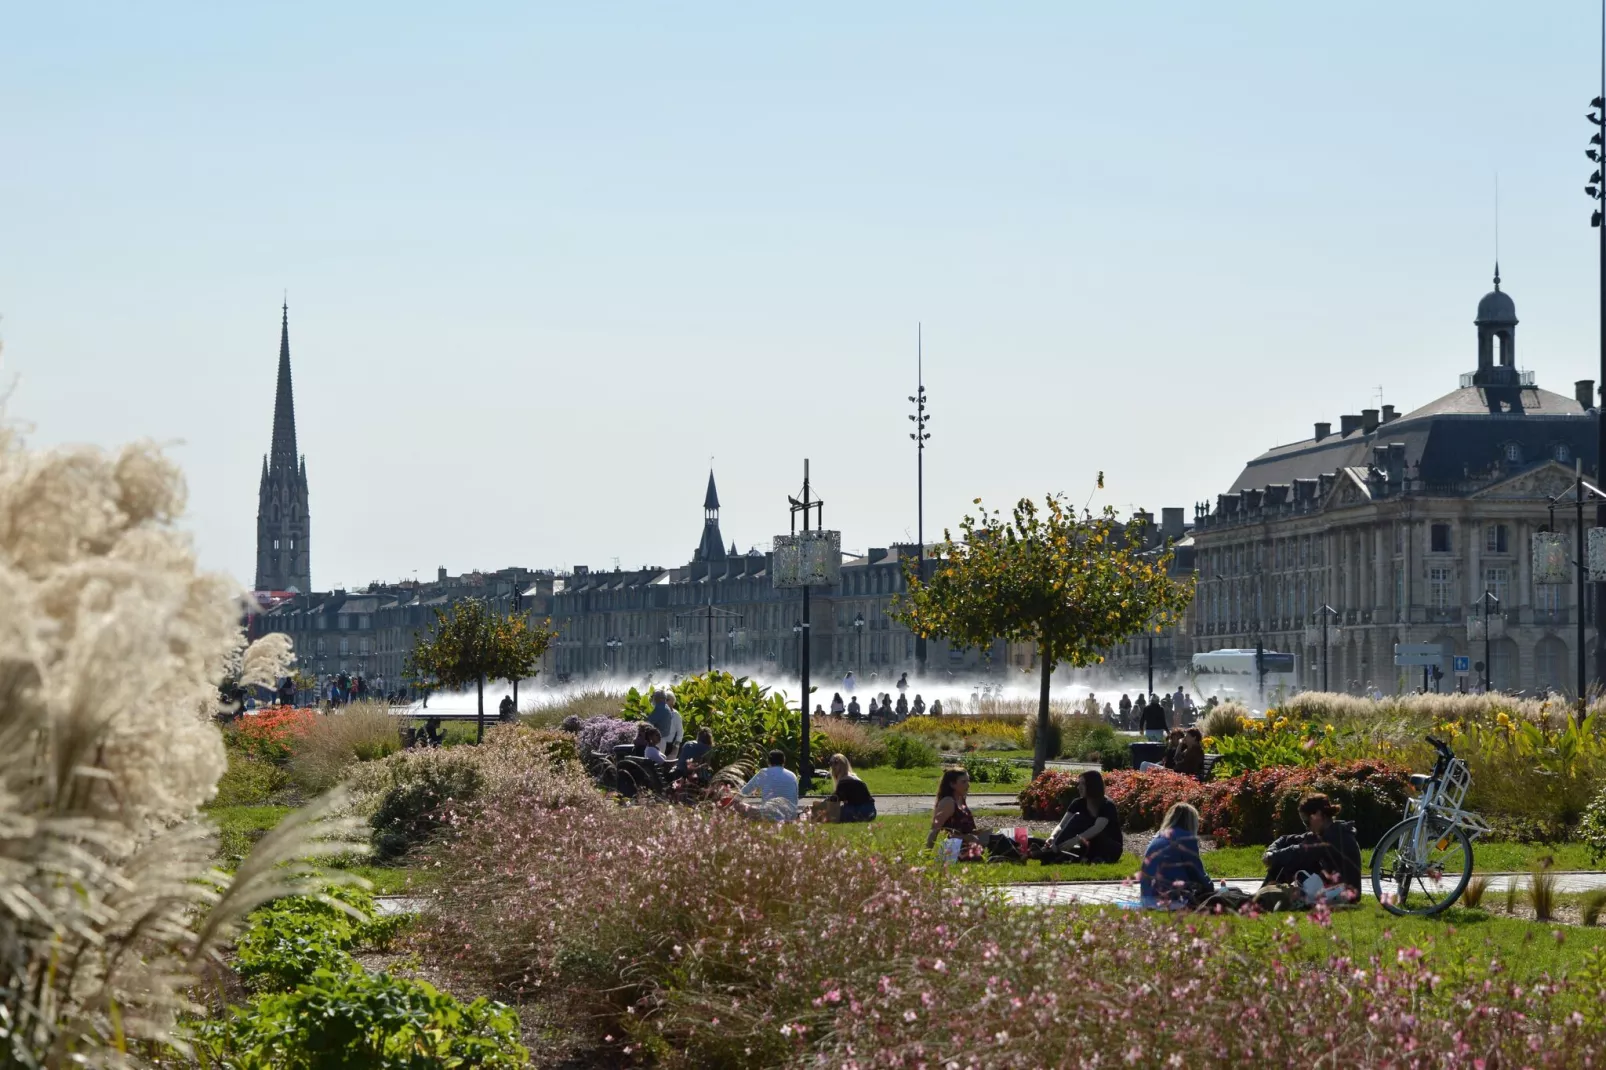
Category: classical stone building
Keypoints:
(284, 562)
(664, 621)
(1401, 523)
(371, 632)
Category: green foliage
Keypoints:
(341, 1019)
(1051, 730)
(1592, 829)
(409, 812)
(989, 770)
(290, 939)
(471, 643)
(249, 781)
(1072, 586)
(909, 752)
(1274, 741)
(240, 827)
(864, 748)
(1084, 739)
(747, 720)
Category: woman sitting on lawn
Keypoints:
(1173, 874)
(1329, 849)
(850, 801)
(1090, 831)
(951, 815)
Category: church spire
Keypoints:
(284, 455)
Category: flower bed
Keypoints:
(1255, 807)
(270, 734)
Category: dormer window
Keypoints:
(1513, 453)
(1563, 454)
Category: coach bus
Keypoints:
(1230, 674)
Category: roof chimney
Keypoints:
(1323, 430)
(1389, 413)
(1347, 423)
(1171, 522)
(1584, 391)
(1369, 420)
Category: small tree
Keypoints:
(1071, 586)
(471, 643)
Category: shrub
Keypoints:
(1088, 740)
(347, 1018)
(1004, 729)
(270, 734)
(249, 781)
(1542, 891)
(909, 752)
(603, 734)
(862, 746)
(1477, 888)
(1590, 907)
(549, 711)
(1592, 828)
(747, 720)
(1227, 719)
(1255, 807)
(290, 939)
(333, 742)
(990, 770)
(411, 810)
(1055, 734)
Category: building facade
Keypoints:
(723, 606)
(1407, 528)
(284, 559)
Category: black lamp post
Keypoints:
(613, 644)
(1325, 611)
(663, 648)
(858, 629)
(518, 605)
(920, 435)
(1594, 191)
(1488, 666)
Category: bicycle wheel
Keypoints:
(1407, 884)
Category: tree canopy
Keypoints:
(1073, 586)
(472, 643)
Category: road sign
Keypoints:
(1418, 653)
(1463, 665)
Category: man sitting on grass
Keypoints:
(1329, 850)
(776, 787)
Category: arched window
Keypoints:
(1513, 453)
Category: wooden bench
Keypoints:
(1209, 770)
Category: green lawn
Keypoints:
(921, 780)
(240, 827)
(906, 834)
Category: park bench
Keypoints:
(1209, 769)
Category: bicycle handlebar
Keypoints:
(1439, 745)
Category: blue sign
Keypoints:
(1463, 665)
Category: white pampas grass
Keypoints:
(112, 645)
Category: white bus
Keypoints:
(1230, 674)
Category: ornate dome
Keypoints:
(1497, 307)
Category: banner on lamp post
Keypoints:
(1550, 557)
(1595, 556)
(808, 559)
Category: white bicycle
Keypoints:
(1422, 865)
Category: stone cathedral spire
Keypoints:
(283, 561)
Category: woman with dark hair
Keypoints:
(1090, 831)
(1329, 849)
(951, 815)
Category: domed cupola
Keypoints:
(1496, 323)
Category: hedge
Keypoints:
(1254, 807)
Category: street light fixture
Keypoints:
(1488, 667)
(613, 644)
(858, 628)
(663, 648)
(1325, 611)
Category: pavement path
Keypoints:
(1066, 892)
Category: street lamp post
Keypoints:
(1488, 666)
(1325, 611)
(518, 605)
(1594, 191)
(613, 644)
(1149, 634)
(858, 629)
(920, 435)
(663, 648)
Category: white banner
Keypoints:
(1550, 557)
(808, 559)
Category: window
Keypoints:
(1440, 543)
(1399, 587)
(344, 623)
(1513, 453)
(292, 544)
(1494, 538)
(1304, 550)
(362, 621)
(275, 544)
(1495, 581)
(1547, 598)
(1439, 586)
(1399, 538)
(1563, 454)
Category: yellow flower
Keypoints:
(1328, 729)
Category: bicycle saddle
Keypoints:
(1420, 781)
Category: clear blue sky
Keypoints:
(544, 261)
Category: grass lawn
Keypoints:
(240, 827)
(921, 780)
(906, 833)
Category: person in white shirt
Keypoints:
(776, 787)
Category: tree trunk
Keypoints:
(1041, 755)
(479, 686)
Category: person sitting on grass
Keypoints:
(1173, 875)
(850, 799)
(1089, 832)
(950, 816)
(1329, 849)
(837, 708)
(776, 786)
(1189, 757)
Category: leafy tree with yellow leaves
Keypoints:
(472, 643)
(1071, 585)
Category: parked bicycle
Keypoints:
(1422, 865)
